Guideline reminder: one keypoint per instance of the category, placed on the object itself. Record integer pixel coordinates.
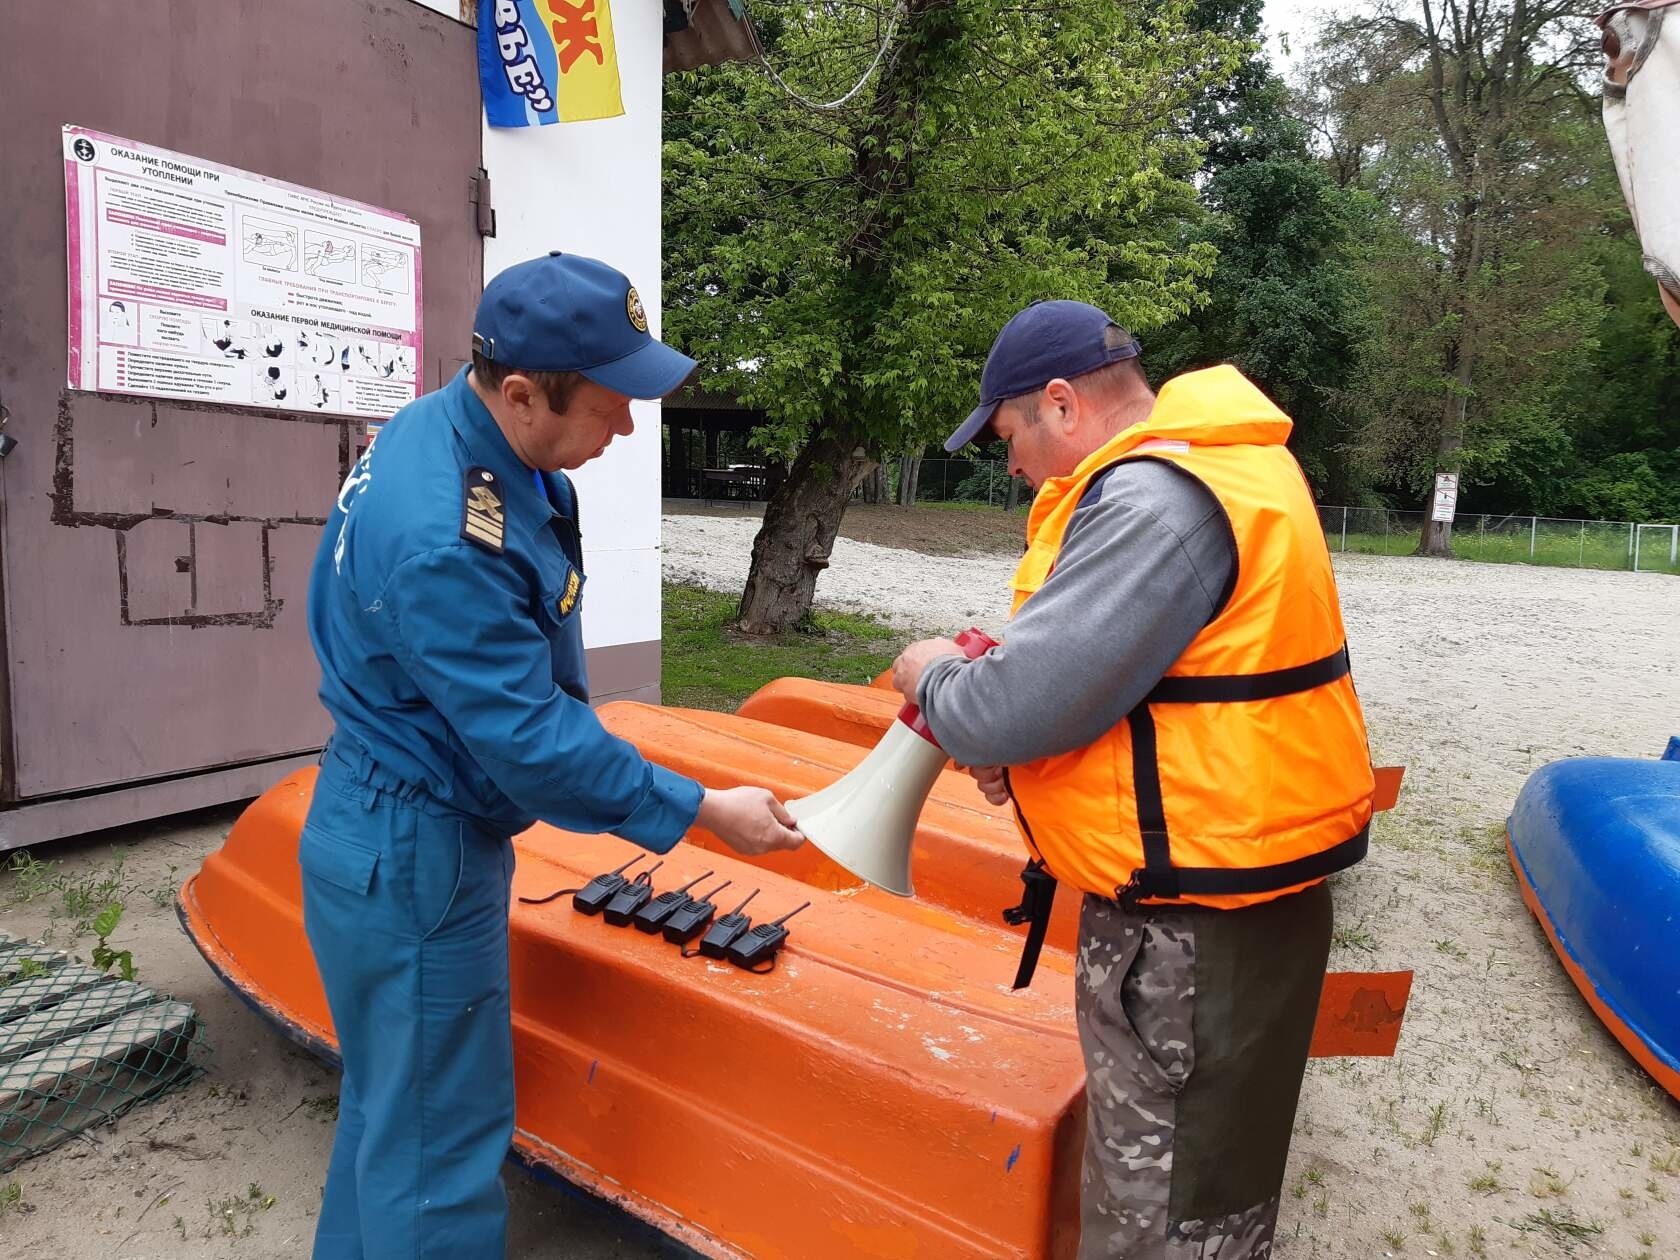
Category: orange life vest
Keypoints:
(1245, 773)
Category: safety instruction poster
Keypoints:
(193, 280)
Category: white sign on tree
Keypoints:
(1446, 497)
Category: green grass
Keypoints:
(1562, 549)
(709, 666)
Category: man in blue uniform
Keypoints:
(444, 607)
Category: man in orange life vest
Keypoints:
(1172, 714)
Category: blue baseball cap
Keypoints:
(1045, 341)
(568, 313)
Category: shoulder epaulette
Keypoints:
(481, 510)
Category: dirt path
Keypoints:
(1510, 1124)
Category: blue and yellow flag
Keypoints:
(547, 61)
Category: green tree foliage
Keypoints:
(1626, 403)
(1287, 304)
(1245, 116)
(1466, 120)
(846, 270)
(1421, 252)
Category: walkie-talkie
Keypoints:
(721, 935)
(690, 919)
(596, 893)
(752, 948)
(651, 917)
(631, 897)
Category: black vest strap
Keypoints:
(1038, 898)
(1236, 688)
(1209, 881)
(1151, 808)
(1159, 877)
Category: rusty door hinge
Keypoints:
(478, 192)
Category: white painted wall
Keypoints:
(460, 10)
(593, 188)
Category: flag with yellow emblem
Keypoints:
(547, 61)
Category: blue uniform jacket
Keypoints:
(445, 608)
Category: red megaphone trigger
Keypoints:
(974, 643)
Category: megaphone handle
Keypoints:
(975, 643)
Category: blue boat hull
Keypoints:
(1595, 844)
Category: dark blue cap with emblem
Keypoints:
(568, 313)
(1046, 341)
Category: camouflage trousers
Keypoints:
(1195, 1026)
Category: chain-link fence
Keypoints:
(1511, 539)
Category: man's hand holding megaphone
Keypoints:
(907, 678)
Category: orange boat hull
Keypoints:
(882, 1092)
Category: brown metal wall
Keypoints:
(121, 513)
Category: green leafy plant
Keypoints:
(104, 957)
(30, 877)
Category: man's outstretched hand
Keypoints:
(749, 820)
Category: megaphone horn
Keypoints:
(866, 820)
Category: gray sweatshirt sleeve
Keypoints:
(1142, 570)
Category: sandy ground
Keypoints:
(231, 1165)
(1510, 1120)
(1510, 1124)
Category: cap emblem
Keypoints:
(633, 308)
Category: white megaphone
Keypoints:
(866, 819)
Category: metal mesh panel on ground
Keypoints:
(79, 1047)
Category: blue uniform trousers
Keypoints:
(407, 911)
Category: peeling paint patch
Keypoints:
(936, 1048)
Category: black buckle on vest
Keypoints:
(1160, 883)
(1038, 896)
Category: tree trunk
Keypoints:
(909, 478)
(803, 517)
(800, 523)
(1014, 496)
(1436, 539)
(874, 484)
